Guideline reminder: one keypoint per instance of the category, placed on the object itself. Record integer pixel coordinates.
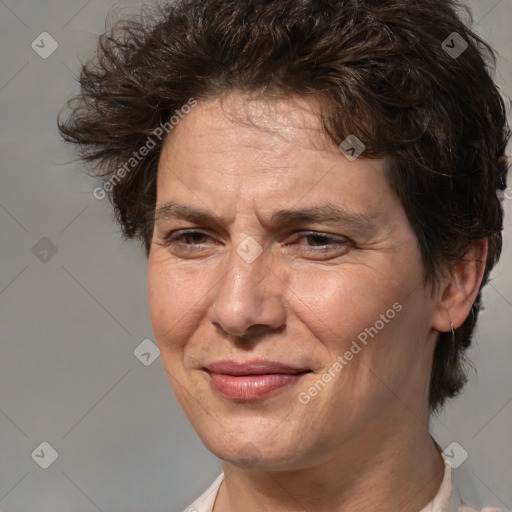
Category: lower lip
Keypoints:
(251, 387)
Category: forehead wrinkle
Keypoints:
(276, 117)
(327, 213)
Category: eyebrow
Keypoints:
(328, 213)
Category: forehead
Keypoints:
(237, 151)
(237, 120)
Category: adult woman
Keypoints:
(374, 127)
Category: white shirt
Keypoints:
(447, 499)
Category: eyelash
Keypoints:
(174, 237)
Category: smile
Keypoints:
(253, 379)
(251, 387)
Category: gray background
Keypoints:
(69, 325)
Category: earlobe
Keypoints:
(460, 289)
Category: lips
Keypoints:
(253, 368)
(253, 379)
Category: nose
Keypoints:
(249, 297)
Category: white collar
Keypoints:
(447, 498)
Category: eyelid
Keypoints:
(303, 232)
(175, 235)
(178, 233)
(321, 234)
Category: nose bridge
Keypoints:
(248, 294)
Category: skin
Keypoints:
(302, 301)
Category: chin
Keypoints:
(256, 451)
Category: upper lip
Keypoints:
(255, 367)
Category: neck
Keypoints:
(400, 470)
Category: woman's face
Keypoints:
(337, 300)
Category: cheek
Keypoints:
(339, 303)
(378, 320)
(174, 298)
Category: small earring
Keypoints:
(453, 333)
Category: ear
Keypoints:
(459, 289)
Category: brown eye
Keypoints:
(185, 238)
(322, 240)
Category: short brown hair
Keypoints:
(383, 72)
